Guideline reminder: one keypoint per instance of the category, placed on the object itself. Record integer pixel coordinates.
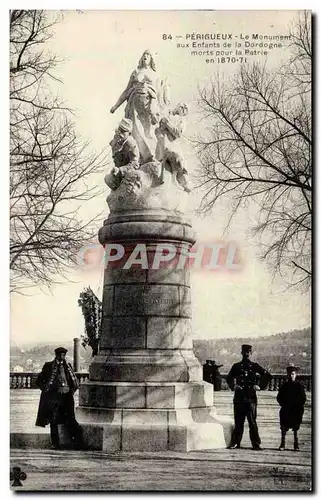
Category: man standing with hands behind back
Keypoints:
(242, 379)
(291, 397)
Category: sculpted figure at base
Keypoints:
(125, 153)
(174, 171)
(146, 96)
(168, 150)
(171, 128)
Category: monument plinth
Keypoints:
(145, 388)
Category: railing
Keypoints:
(27, 380)
(277, 381)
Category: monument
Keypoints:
(145, 390)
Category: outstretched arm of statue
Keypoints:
(124, 96)
(120, 101)
(163, 92)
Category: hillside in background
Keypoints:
(33, 356)
(273, 352)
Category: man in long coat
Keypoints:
(216, 376)
(242, 378)
(58, 383)
(291, 397)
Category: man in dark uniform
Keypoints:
(291, 397)
(58, 383)
(243, 380)
(207, 371)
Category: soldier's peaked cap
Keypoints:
(246, 347)
(291, 369)
(61, 350)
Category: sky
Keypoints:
(99, 50)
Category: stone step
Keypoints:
(24, 406)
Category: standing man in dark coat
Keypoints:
(291, 397)
(207, 371)
(243, 380)
(216, 376)
(58, 383)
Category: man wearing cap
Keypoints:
(243, 380)
(125, 153)
(207, 371)
(58, 383)
(291, 397)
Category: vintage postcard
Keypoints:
(160, 250)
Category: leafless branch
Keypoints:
(51, 169)
(258, 146)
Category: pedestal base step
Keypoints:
(113, 438)
(194, 426)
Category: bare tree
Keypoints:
(50, 168)
(258, 148)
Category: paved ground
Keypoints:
(224, 470)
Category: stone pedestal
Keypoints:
(145, 388)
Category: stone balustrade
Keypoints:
(277, 381)
(27, 380)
